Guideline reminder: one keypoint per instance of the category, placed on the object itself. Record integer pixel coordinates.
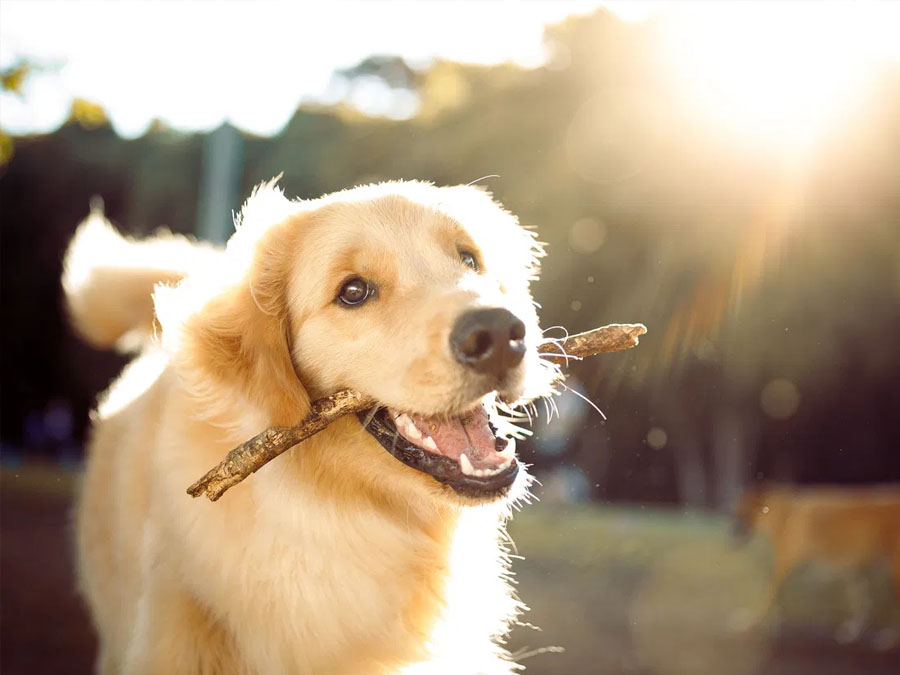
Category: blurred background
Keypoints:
(727, 174)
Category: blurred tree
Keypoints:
(87, 114)
(392, 70)
(12, 79)
(747, 271)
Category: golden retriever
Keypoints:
(846, 527)
(374, 547)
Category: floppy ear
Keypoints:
(235, 337)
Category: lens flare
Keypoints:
(778, 74)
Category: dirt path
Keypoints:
(43, 623)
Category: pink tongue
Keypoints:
(468, 434)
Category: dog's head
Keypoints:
(415, 295)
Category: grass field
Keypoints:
(642, 591)
(631, 591)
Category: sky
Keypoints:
(782, 70)
(196, 64)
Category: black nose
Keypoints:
(490, 341)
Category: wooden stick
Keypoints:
(251, 455)
(263, 448)
(612, 338)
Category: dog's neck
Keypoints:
(340, 523)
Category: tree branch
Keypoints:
(251, 455)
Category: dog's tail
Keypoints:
(108, 279)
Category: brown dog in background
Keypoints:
(846, 527)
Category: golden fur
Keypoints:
(847, 527)
(335, 558)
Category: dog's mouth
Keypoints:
(462, 452)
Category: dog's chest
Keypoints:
(371, 593)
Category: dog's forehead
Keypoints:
(392, 216)
(409, 232)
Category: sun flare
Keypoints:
(778, 74)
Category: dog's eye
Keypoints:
(355, 292)
(468, 259)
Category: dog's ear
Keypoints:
(232, 332)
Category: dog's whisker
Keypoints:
(508, 540)
(548, 401)
(372, 414)
(491, 175)
(526, 653)
(527, 413)
(562, 328)
(561, 354)
(585, 399)
(548, 356)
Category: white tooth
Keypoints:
(413, 432)
(480, 472)
(509, 452)
(504, 466)
(429, 444)
(466, 465)
(402, 420)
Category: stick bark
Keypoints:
(251, 455)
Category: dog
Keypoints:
(846, 527)
(374, 547)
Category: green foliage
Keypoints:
(7, 148)
(12, 79)
(88, 114)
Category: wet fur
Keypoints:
(335, 558)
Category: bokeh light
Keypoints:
(587, 235)
(780, 399)
(657, 438)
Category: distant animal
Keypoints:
(846, 527)
(371, 548)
